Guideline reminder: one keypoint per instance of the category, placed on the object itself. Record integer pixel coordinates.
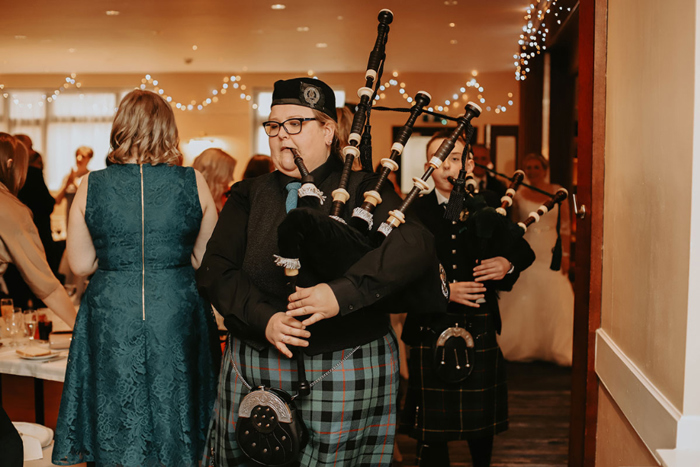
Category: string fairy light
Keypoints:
(233, 84)
(68, 82)
(533, 38)
(230, 83)
(452, 100)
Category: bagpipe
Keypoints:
(555, 199)
(323, 242)
(327, 246)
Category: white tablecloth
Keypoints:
(11, 364)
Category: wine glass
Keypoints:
(6, 307)
(30, 321)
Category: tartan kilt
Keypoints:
(475, 408)
(350, 414)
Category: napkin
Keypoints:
(32, 448)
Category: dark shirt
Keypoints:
(239, 278)
(458, 255)
(35, 195)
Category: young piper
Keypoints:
(474, 409)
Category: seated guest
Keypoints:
(20, 245)
(140, 379)
(217, 167)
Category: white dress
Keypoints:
(538, 314)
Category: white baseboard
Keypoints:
(655, 419)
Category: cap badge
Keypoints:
(311, 94)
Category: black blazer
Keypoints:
(458, 256)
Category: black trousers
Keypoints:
(437, 454)
(10, 442)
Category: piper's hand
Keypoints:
(467, 293)
(492, 269)
(283, 330)
(318, 301)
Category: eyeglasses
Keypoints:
(292, 126)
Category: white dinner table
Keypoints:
(39, 370)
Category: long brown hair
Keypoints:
(217, 168)
(144, 128)
(14, 173)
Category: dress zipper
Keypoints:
(143, 252)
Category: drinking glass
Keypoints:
(6, 306)
(15, 326)
(30, 321)
(6, 309)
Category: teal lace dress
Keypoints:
(141, 379)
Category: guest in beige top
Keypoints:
(19, 239)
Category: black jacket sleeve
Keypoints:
(521, 257)
(401, 259)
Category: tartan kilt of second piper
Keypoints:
(474, 408)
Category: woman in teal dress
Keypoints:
(141, 379)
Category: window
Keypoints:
(60, 127)
(263, 99)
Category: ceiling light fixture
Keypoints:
(112, 13)
(453, 41)
(194, 47)
(452, 25)
(20, 37)
(278, 6)
(303, 29)
(321, 45)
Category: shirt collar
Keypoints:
(440, 198)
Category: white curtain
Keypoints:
(84, 106)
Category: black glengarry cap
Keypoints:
(307, 92)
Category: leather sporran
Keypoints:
(453, 355)
(270, 430)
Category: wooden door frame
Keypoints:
(503, 130)
(589, 257)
